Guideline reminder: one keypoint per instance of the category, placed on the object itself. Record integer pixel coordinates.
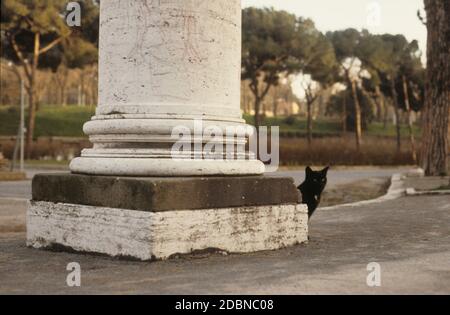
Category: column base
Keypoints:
(159, 235)
(155, 218)
(164, 167)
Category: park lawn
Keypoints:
(68, 121)
(60, 121)
(377, 129)
(298, 125)
(331, 127)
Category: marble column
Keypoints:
(166, 64)
(166, 67)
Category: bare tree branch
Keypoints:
(52, 44)
(19, 54)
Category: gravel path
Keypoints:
(409, 238)
(22, 189)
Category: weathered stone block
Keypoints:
(162, 194)
(155, 218)
(158, 235)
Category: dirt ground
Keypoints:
(407, 237)
(359, 190)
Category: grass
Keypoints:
(43, 163)
(68, 122)
(50, 120)
(296, 127)
(377, 129)
(329, 146)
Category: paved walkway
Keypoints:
(22, 189)
(409, 237)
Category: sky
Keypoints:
(378, 16)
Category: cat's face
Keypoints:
(316, 179)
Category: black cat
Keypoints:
(312, 188)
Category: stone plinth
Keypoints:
(162, 194)
(155, 218)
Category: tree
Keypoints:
(345, 45)
(405, 65)
(32, 35)
(410, 72)
(437, 101)
(374, 58)
(275, 44)
(321, 68)
(31, 30)
(391, 61)
(398, 48)
(283, 95)
(344, 99)
(267, 37)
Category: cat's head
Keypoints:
(316, 179)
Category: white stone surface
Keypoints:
(148, 235)
(163, 167)
(180, 57)
(163, 64)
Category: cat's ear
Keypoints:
(325, 170)
(308, 171)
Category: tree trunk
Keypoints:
(81, 92)
(410, 127)
(79, 95)
(344, 113)
(31, 97)
(275, 102)
(358, 129)
(396, 113)
(309, 121)
(386, 115)
(275, 108)
(257, 122)
(62, 75)
(31, 120)
(257, 112)
(437, 89)
(94, 95)
(63, 96)
(380, 103)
